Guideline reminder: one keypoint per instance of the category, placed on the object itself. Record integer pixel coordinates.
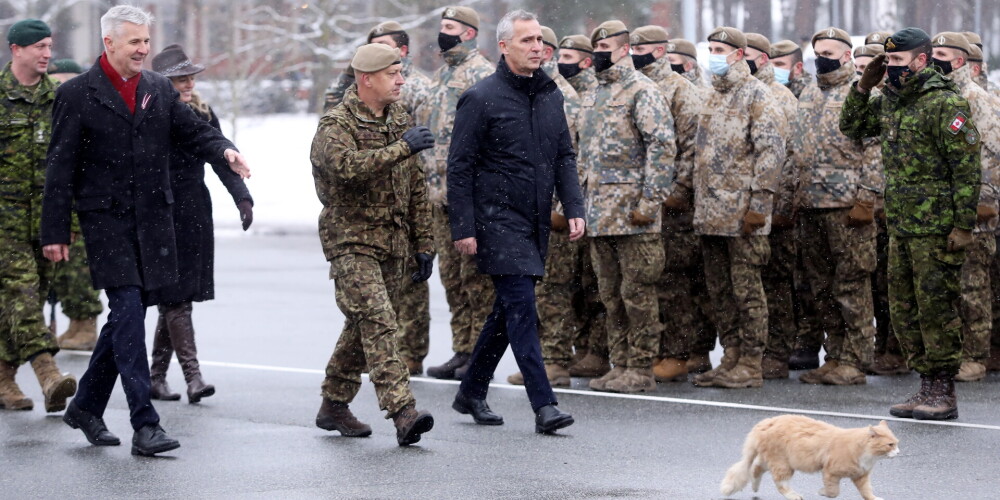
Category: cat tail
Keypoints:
(738, 474)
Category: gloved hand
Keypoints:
(559, 222)
(753, 221)
(425, 265)
(419, 139)
(873, 74)
(959, 239)
(676, 204)
(862, 214)
(246, 213)
(984, 213)
(636, 218)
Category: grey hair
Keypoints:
(121, 14)
(505, 28)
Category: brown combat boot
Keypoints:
(410, 424)
(590, 366)
(600, 384)
(730, 356)
(888, 364)
(815, 376)
(557, 374)
(632, 381)
(11, 397)
(774, 368)
(81, 335)
(905, 409)
(971, 371)
(699, 363)
(941, 403)
(844, 374)
(746, 373)
(55, 386)
(670, 370)
(413, 366)
(336, 416)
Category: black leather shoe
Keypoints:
(93, 427)
(152, 439)
(478, 408)
(548, 419)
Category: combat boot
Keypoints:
(55, 386)
(447, 370)
(557, 374)
(81, 335)
(670, 370)
(746, 373)
(632, 381)
(413, 366)
(337, 416)
(592, 365)
(803, 359)
(11, 397)
(730, 356)
(844, 374)
(888, 364)
(699, 363)
(941, 403)
(815, 376)
(774, 368)
(905, 409)
(971, 371)
(410, 424)
(600, 383)
(578, 356)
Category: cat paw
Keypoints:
(827, 494)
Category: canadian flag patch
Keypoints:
(957, 123)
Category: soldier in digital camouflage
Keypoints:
(931, 157)
(375, 217)
(789, 70)
(576, 63)
(684, 60)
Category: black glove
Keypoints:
(419, 139)
(873, 74)
(246, 213)
(425, 265)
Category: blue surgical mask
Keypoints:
(781, 75)
(718, 64)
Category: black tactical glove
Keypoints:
(873, 74)
(419, 139)
(246, 213)
(425, 265)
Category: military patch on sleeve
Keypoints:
(957, 123)
(971, 136)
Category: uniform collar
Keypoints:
(393, 113)
(840, 76)
(738, 72)
(33, 95)
(620, 71)
(460, 53)
(658, 70)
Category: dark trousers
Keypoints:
(120, 350)
(514, 322)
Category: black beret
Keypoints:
(907, 39)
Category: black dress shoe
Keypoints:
(93, 427)
(548, 418)
(152, 439)
(478, 408)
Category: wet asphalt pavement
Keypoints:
(266, 339)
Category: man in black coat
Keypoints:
(112, 134)
(511, 148)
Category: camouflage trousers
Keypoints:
(839, 260)
(778, 278)
(413, 316)
(560, 323)
(683, 298)
(73, 286)
(995, 286)
(628, 269)
(925, 296)
(25, 276)
(885, 339)
(593, 336)
(366, 288)
(977, 316)
(732, 273)
(469, 294)
(809, 335)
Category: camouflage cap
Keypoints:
(577, 42)
(729, 36)
(386, 28)
(870, 50)
(877, 37)
(952, 40)
(608, 29)
(759, 42)
(973, 38)
(649, 35)
(784, 48)
(549, 37)
(975, 54)
(375, 57)
(906, 39)
(682, 47)
(833, 34)
(28, 32)
(464, 15)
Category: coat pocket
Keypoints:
(168, 197)
(92, 203)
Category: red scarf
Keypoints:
(125, 88)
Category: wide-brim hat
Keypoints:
(172, 61)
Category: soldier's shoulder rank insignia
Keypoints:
(957, 123)
(972, 136)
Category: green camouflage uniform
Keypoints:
(375, 215)
(930, 152)
(627, 149)
(25, 130)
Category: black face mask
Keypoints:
(643, 60)
(569, 70)
(859, 73)
(826, 65)
(602, 61)
(896, 74)
(678, 68)
(753, 66)
(448, 42)
(945, 66)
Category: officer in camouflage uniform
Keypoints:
(950, 53)
(786, 57)
(739, 150)
(26, 124)
(375, 212)
(627, 147)
(684, 60)
(930, 152)
(576, 63)
(469, 294)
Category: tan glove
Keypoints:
(559, 222)
(862, 214)
(753, 221)
(959, 239)
(636, 218)
(676, 204)
(984, 213)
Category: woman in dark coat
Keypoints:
(195, 241)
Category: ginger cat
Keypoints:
(792, 443)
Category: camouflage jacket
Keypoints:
(627, 146)
(414, 90)
(738, 154)
(799, 84)
(372, 188)
(571, 107)
(834, 171)
(25, 130)
(930, 152)
(464, 67)
(583, 81)
(986, 114)
(787, 180)
(694, 76)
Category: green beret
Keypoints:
(608, 29)
(375, 57)
(648, 35)
(386, 28)
(549, 37)
(833, 34)
(906, 40)
(28, 32)
(976, 54)
(973, 38)
(870, 50)
(682, 47)
(464, 15)
(577, 42)
(877, 37)
(65, 66)
(952, 40)
(759, 42)
(729, 36)
(784, 48)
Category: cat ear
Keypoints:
(883, 423)
(871, 431)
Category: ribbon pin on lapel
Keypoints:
(145, 100)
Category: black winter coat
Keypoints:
(194, 226)
(510, 149)
(113, 167)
